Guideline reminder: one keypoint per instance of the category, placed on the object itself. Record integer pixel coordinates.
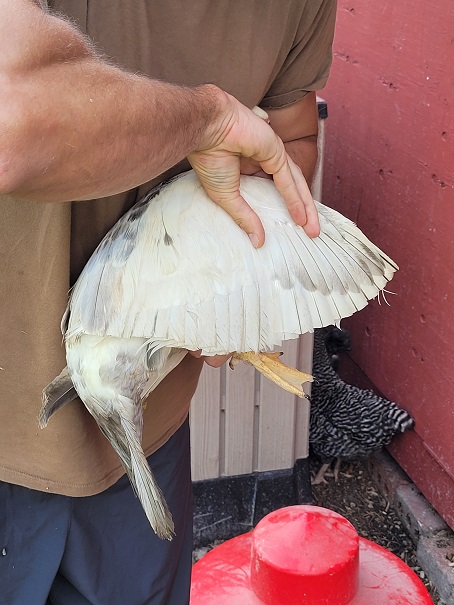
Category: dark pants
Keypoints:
(98, 550)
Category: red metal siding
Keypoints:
(390, 167)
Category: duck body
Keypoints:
(175, 274)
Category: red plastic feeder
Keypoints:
(304, 555)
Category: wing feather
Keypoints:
(177, 270)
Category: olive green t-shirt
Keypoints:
(264, 52)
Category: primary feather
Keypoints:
(176, 274)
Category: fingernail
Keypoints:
(254, 240)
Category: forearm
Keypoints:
(297, 125)
(85, 147)
(75, 127)
(304, 153)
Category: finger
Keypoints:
(289, 180)
(294, 189)
(242, 214)
(216, 361)
(293, 196)
(220, 177)
(312, 226)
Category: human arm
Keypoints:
(75, 127)
(297, 126)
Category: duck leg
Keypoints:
(272, 368)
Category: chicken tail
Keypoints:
(402, 420)
(56, 395)
(125, 441)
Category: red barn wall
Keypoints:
(389, 166)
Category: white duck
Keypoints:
(176, 274)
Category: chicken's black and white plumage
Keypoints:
(176, 274)
(337, 341)
(346, 422)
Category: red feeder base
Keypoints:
(304, 555)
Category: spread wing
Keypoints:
(176, 269)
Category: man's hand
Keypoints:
(298, 126)
(240, 133)
(215, 361)
(63, 83)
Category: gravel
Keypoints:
(357, 498)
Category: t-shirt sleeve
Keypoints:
(307, 65)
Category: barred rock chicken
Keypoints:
(346, 422)
(177, 274)
(337, 341)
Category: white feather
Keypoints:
(184, 273)
(176, 274)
